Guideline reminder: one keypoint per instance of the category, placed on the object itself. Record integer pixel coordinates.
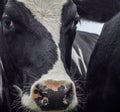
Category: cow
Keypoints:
(44, 59)
(103, 77)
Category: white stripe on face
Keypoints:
(77, 57)
(48, 13)
(82, 59)
(1, 64)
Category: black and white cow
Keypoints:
(103, 77)
(44, 70)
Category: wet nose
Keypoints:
(53, 95)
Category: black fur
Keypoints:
(68, 32)
(2, 4)
(103, 78)
(97, 10)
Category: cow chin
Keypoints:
(29, 103)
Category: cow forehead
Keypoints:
(48, 13)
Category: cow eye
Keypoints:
(8, 23)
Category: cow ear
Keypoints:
(68, 31)
(2, 5)
(68, 13)
(66, 42)
(97, 10)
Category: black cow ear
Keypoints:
(68, 31)
(66, 42)
(2, 5)
(97, 10)
(68, 13)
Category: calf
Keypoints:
(44, 67)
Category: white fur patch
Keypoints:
(19, 90)
(82, 59)
(1, 64)
(76, 57)
(29, 103)
(48, 13)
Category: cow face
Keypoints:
(32, 59)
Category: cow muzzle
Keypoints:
(53, 95)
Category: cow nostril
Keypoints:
(36, 91)
(61, 88)
(68, 94)
(45, 102)
(40, 90)
(68, 89)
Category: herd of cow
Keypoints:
(46, 65)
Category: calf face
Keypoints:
(33, 61)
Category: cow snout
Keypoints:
(53, 95)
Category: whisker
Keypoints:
(35, 75)
(27, 84)
(20, 107)
(15, 104)
(32, 76)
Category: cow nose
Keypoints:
(53, 95)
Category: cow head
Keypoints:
(34, 45)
